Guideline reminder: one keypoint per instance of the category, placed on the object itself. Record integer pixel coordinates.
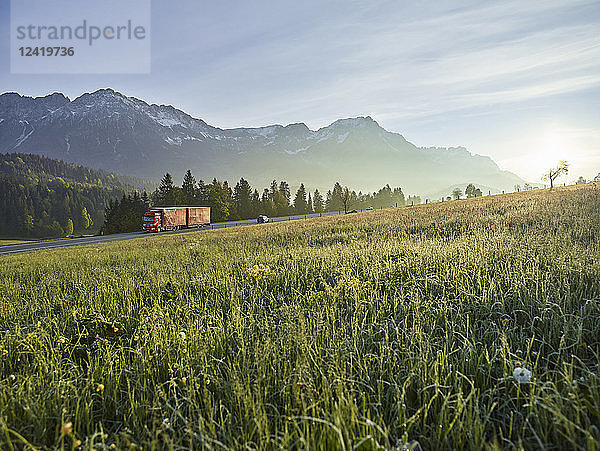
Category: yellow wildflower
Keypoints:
(66, 428)
(260, 272)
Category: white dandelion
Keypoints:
(521, 375)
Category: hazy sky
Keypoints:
(516, 80)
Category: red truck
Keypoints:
(172, 218)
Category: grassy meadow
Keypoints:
(393, 329)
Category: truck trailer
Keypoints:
(172, 218)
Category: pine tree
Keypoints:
(28, 224)
(281, 204)
(300, 204)
(217, 200)
(255, 203)
(227, 194)
(189, 188)
(69, 227)
(318, 205)
(164, 194)
(274, 189)
(146, 200)
(202, 193)
(267, 205)
(310, 204)
(284, 189)
(266, 195)
(86, 220)
(334, 198)
(242, 194)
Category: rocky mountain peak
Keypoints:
(108, 130)
(355, 122)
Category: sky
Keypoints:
(517, 81)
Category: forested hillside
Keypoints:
(42, 197)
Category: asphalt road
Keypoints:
(28, 247)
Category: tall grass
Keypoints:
(398, 329)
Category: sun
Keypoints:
(554, 148)
(553, 145)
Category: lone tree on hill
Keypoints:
(554, 173)
(456, 193)
(471, 191)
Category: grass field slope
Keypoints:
(461, 325)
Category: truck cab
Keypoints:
(152, 221)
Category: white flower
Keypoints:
(182, 335)
(166, 424)
(522, 375)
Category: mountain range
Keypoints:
(108, 130)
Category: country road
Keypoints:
(29, 247)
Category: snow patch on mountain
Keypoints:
(342, 138)
(21, 139)
(174, 142)
(168, 122)
(322, 135)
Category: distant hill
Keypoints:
(43, 197)
(106, 129)
(30, 167)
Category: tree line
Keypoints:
(242, 201)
